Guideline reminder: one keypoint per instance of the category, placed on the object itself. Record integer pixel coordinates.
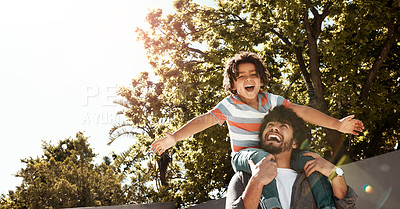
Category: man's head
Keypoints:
(282, 130)
(232, 70)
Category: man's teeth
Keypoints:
(273, 137)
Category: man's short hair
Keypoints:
(285, 115)
(232, 71)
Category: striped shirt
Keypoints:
(244, 121)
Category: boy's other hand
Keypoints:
(163, 144)
(349, 125)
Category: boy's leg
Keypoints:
(321, 188)
(269, 198)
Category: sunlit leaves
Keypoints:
(65, 176)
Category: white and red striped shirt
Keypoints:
(244, 121)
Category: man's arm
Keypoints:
(246, 192)
(240, 183)
(263, 173)
(339, 187)
(194, 126)
(252, 194)
(311, 115)
(236, 187)
(325, 167)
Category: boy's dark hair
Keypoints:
(285, 115)
(231, 69)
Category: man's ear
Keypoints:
(294, 145)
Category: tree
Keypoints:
(65, 176)
(337, 56)
(150, 108)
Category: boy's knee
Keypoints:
(257, 157)
(304, 158)
(299, 161)
(254, 154)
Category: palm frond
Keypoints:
(122, 102)
(121, 132)
(117, 126)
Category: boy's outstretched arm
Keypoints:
(311, 115)
(194, 126)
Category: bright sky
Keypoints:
(60, 64)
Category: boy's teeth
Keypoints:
(249, 88)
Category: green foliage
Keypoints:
(65, 176)
(319, 53)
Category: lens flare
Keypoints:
(368, 188)
(384, 197)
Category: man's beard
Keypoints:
(273, 149)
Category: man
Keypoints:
(281, 134)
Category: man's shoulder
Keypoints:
(242, 177)
(242, 174)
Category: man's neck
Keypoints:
(283, 159)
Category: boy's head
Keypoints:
(285, 116)
(232, 69)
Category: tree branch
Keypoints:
(306, 75)
(382, 56)
(299, 55)
(195, 50)
(284, 39)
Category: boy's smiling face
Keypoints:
(248, 82)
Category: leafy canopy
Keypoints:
(341, 57)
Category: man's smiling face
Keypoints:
(277, 138)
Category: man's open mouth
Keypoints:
(272, 136)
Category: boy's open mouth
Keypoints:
(249, 88)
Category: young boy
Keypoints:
(244, 75)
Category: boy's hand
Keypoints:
(325, 167)
(162, 144)
(349, 125)
(264, 171)
(319, 164)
